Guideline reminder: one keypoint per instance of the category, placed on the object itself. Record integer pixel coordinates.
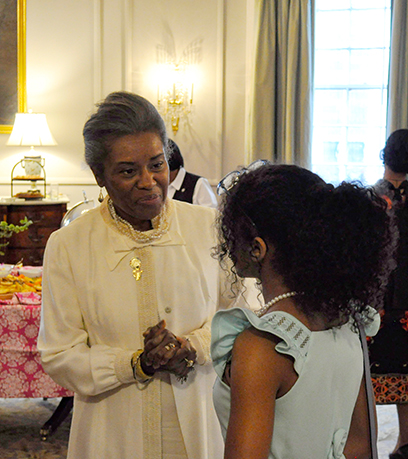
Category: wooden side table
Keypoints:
(46, 216)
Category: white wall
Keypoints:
(79, 51)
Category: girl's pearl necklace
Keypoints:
(260, 312)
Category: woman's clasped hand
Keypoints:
(163, 351)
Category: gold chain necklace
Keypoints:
(160, 225)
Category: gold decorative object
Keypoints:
(34, 172)
(175, 94)
(21, 88)
(136, 265)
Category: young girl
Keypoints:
(290, 374)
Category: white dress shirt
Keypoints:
(203, 193)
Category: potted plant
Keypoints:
(8, 229)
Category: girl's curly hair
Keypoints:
(335, 245)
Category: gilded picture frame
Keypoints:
(13, 91)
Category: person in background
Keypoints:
(185, 186)
(389, 349)
(129, 291)
(290, 374)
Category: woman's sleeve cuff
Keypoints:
(201, 339)
(123, 367)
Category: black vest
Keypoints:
(186, 191)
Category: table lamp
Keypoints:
(31, 129)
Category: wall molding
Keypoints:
(127, 40)
(220, 91)
(66, 181)
(97, 50)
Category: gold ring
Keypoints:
(169, 346)
(189, 363)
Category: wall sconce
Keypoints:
(175, 94)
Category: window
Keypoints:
(352, 42)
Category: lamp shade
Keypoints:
(31, 129)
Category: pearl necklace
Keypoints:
(160, 225)
(260, 312)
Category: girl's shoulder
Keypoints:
(286, 333)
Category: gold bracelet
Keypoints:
(138, 372)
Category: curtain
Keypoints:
(282, 86)
(398, 79)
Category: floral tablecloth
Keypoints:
(21, 373)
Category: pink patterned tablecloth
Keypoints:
(21, 373)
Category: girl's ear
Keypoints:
(259, 249)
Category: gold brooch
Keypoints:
(136, 265)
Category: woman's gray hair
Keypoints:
(120, 114)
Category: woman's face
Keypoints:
(136, 177)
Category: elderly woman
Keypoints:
(129, 290)
(290, 373)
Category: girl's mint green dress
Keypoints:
(312, 420)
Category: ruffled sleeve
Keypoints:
(228, 324)
(373, 322)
